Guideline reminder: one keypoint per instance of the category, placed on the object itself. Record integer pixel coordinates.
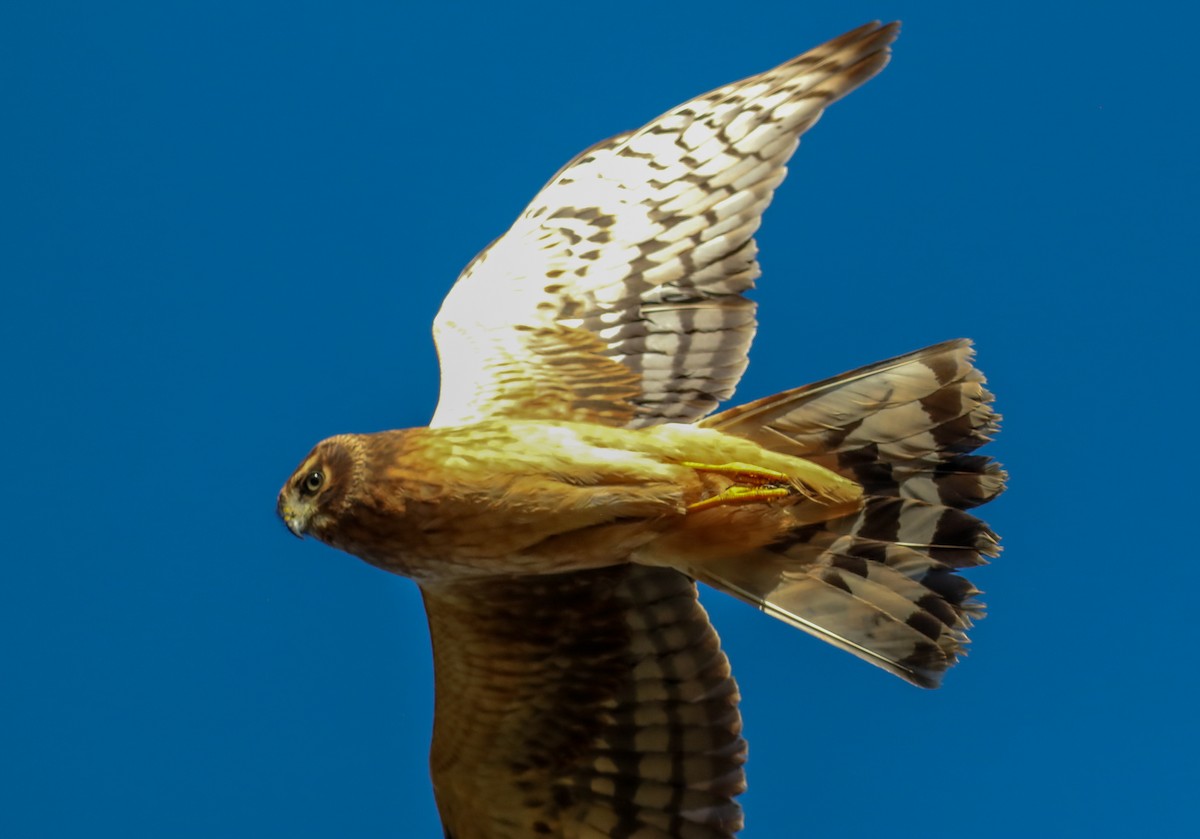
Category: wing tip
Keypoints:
(872, 44)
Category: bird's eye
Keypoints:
(313, 482)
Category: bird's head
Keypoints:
(322, 486)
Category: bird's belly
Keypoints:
(530, 497)
(517, 498)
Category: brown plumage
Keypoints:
(569, 488)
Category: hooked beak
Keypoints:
(294, 522)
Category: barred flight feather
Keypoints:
(880, 581)
(643, 244)
(651, 747)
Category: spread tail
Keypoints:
(880, 582)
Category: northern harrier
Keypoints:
(571, 486)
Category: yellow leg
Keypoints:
(741, 495)
(743, 472)
(757, 483)
(752, 483)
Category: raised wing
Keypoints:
(617, 297)
(593, 704)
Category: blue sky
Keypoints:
(226, 227)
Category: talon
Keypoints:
(751, 483)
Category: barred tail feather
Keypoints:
(881, 581)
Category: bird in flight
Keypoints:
(574, 483)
